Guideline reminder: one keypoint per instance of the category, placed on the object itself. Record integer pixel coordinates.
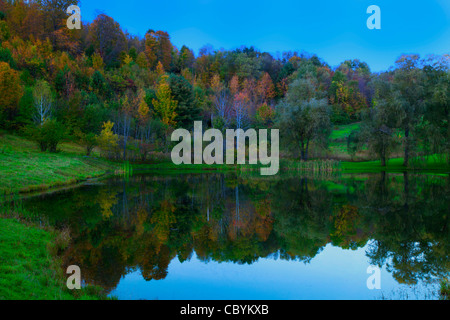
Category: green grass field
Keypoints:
(29, 270)
(23, 168)
(432, 164)
(338, 143)
(342, 132)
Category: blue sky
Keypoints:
(334, 30)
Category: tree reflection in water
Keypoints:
(145, 222)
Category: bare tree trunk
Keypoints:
(383, 156)
(306, 150)
(302, 151)
(406, 160)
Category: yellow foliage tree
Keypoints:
(142, 61)
(165, 105)
(10, 89)
(107, 200)
(143, 109)
(160, 69)
(97, 62)
(107, 140)
(127, 60)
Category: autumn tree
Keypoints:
(145, 125)
(160, 71)
(107, 140)
(186, 59)
(107, 38)
(240, 110)
(55, 12)
(97, 62)
(151, 45)
(142, 61)
(265, 89)
(158, 48)
(164, 105)
(26, 20)
(265, 116)
(234, 85)
(10, 91)
(220, 100)
(143, 109)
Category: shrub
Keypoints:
(339, 116)
(87, 140)
(54, 133)
(4, 30)
(6, 56)
(47, 135)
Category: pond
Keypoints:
(231, 236)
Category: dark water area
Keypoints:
(223, 236)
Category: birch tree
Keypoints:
(220, 100)
(43, 102)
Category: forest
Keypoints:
(121, 95)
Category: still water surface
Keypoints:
(223, 236)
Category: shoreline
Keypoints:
(24, 170)
(32, 268)
(363, 167)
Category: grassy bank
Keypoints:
(29, 266)
(23, 168)
(432, 164)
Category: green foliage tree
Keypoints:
(436, 129)
(187, 110)
(304, 123)
(88, 140)
(4, 31)
(409, 84)
(380, 123)
(48, 135)
(26, 108)
(5, 56)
